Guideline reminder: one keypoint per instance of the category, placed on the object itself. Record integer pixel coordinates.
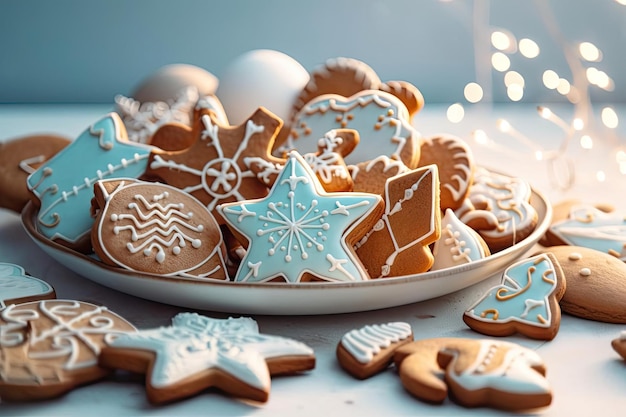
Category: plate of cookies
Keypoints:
(290, 298)
(338, 206)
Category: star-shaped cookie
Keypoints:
(212, 167)
(299, 231)
(198, 352)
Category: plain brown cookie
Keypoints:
(20, 157)
(596, 283)
(619, 344)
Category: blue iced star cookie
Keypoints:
(300, 230)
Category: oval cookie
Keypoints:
(156, 228)
(596, 283)
(50, 347)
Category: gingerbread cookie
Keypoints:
(372, 176)
(18, 287)
(327, 163)
(498, 208)
(591, 227)
(64, 184)
(458, 244)
(455, 161)
(596, 283)
(398, 243)
(299, 231)
(561, 211)
(19, 158)
(381, 119)
(143, 119)
(156, 228)
(366, 351)
(213, 167)
(527, 301)
(49, 347)
(477, 373)
(619, 344)
(197, 352)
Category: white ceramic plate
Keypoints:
(289, 299)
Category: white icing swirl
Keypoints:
(366, 342)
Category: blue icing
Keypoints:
(522, 296)
(64, 184)
(297, 228)
(591, 228)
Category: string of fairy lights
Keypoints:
(586, 126)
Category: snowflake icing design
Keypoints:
(220, 179)
(297, 228)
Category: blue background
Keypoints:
(72, 51)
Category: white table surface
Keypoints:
(587, 376)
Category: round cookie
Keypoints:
(596, 283)
(455, 161)
(19, 158)
(49, 347)
(156, 228)
(166, 83)
(17, 287)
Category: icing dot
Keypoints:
(271, 251)
(575, 256)
(309, 244)
(146, 252)
(176, 250)
(113, 217)
(585, 272)
(320, 247)
(288, 258)
(196, 243)
(326, 226)
(305, 255)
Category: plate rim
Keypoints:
(543, 223)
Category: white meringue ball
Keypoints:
(257, 78)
